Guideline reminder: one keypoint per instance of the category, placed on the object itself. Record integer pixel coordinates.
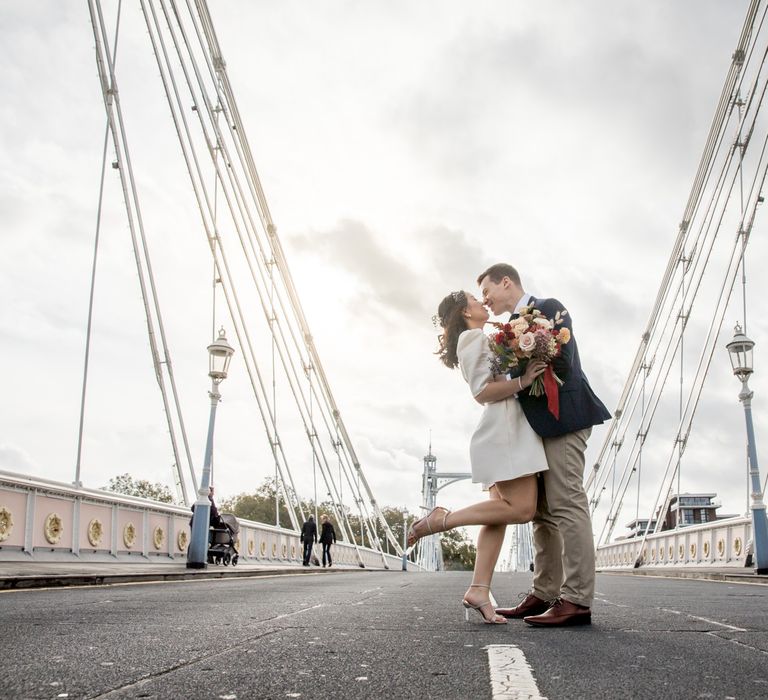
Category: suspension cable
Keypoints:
(695, 265)
(89, 325)
(244, 227)
(106, 71)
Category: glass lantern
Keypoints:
(740, 351)
(219, 353)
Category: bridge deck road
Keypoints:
(377, 635)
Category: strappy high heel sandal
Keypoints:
(413, 537)
(494, 619)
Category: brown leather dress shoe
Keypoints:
(562, 613)
(530, 606)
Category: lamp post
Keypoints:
(740, 350)
(405, 539)
(219, 353)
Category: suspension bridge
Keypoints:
(367, 629)
(252, 287)
(643, 468)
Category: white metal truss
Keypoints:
(242, 235)
(730, 176)
(161, 356)
(521, 549)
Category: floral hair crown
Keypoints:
(459, 297)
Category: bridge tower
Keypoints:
(430, 552)
(430, 555)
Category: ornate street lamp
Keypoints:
(219, 353)
(740, 351)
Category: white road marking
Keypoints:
(291, 614)
(608, 602)
(511, 676)
(678, 612)
(705, 619)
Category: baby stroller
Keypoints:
(221, 541)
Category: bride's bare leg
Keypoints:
(515, 502)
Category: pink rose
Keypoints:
(527, 342)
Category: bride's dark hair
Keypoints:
(451, 318)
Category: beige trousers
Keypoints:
(564, 563)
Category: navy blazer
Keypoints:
(579, 407)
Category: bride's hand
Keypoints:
(533, 370)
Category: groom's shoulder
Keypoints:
(548, 304)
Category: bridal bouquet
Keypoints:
(531, 336)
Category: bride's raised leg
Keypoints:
(515, 502)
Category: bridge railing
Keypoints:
(722, 543)
(45, 520)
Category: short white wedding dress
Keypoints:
(503, 446)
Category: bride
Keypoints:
(505, 452)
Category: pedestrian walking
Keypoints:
(308, 538)
(327, 538)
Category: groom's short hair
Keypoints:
(498, 271)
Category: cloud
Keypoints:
(454, 258)
(16, 458)
(384, 280)
(562, 139)
(391, 282)
(564, 90)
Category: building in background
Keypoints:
(690, 508)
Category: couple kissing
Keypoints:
(528, 448)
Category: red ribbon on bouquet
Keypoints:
(552, 391)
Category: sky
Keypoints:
(403, 147)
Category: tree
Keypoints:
(129, 486)
(458, 551)
(394, 518)
(258, 506)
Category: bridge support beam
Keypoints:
(757, 502)
(740, 352)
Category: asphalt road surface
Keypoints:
(379, 635)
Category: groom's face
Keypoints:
(497, 295)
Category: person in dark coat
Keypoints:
(327, 537)
(308, 538)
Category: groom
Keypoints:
(564, 567)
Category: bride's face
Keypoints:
(475, 309)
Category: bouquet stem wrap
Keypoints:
(552, 392)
